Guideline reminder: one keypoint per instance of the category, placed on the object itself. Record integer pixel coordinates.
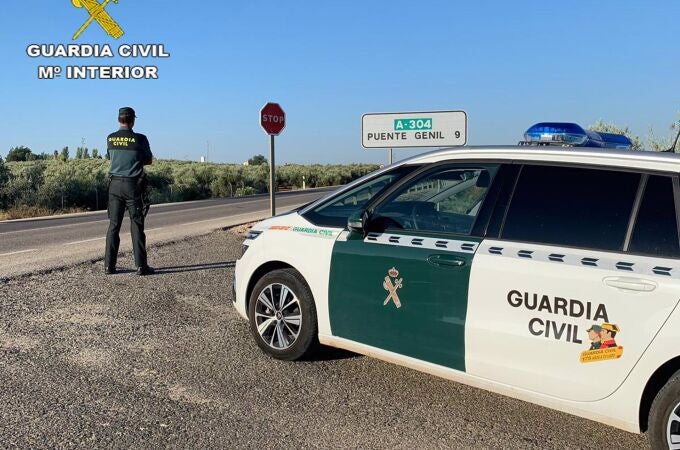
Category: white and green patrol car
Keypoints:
(547, 275)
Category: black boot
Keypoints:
(145, 270)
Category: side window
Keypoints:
(656, 228)
(336, 211)
(447, 200)
(577, 207)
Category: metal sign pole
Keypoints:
(391, 157)
(272, 176)
(272, 121)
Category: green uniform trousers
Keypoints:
(126, 193)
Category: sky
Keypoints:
(507, 64)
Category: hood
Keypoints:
(286, 219)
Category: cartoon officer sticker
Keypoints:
(602, 343)
(609, 331)
(595, 336)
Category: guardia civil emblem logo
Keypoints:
(391, 285)
(98, 13)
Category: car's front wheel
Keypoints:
(664, 416)
(282, 315)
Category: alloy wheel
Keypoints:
(673, 429)
(278, 316)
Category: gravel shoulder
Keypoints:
(88, 360)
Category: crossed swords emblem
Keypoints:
(392, 288)
(98, 12)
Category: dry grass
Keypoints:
(242, 230)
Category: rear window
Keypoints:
(656, 227)
(576, 207)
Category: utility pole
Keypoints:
(207, 158)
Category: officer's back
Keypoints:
(129, 152)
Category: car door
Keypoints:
(583, 274)
(403, 287)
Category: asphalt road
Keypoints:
(43, 244)
(92, 361)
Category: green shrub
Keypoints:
(57, 185)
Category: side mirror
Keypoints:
(357, 221)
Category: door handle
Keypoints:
(630, 284)
(446, 260)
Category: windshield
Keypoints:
(336, 211)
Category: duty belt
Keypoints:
(146, 201)
(119, 178)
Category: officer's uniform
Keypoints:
(129, 152)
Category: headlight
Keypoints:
(253, 234)
(250, 236)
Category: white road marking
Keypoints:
(86, 240)
(209, 220)
(104, 237)
(19, 252)
(52, 228)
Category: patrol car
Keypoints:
(544, 274)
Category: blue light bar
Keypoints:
(556, 133)
(572, 135)
(612, 140)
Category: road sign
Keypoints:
(414, 129)
(272, 119)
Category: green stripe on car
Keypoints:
(408, 299)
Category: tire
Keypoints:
(664, 416)
(285, 331)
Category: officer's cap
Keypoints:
(595, 328)
(126, 112)
(611, 327)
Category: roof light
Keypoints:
(609, 140)
(556, 133)
(572, 135)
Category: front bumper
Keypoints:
(233, 290)
(238, 291)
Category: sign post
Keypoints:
(414, 129)
(272, 121)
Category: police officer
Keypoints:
(129, 152)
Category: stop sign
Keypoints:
(272, 119)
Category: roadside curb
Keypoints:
(99, 259)
(91, 259)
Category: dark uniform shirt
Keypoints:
(128, 152)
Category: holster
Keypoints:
(143, 186)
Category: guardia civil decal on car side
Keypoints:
(430, 299)
(391, 285)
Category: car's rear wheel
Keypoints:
(282, 315)
(664, 416)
